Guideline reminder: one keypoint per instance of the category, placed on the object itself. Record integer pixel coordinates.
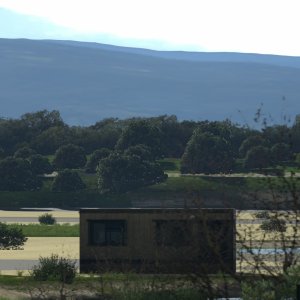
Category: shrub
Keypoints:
(11, 237)
(273, 224)
(55, 268)
(47, 219)
(258, 290)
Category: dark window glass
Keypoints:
(107, 232)
(172, 233)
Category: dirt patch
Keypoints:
(11, 294)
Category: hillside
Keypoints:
(88, 82)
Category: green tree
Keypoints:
(40, 164)
(96, 156)
(24, 152)
(48, 141)
(207, 153)
(281, 152)
(11, 237)
(141, 151)
(141, 132)
(16, 175)
(120, 173)
(257, 158)
(69, 157)
(250, 142)
(66, 181)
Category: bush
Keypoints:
(258, 290)
(11, 237)
(47, 219)
(55, 268)
(274, 224)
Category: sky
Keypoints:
(253, 26)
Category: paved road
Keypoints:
(15, 264)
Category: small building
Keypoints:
(157, 240)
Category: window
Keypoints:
(174, 233)
(107, 232)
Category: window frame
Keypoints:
(108, 229)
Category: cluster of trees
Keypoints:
(124, 152)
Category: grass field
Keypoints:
(57, 230)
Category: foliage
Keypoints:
(40, 164)
(291, 278)
(16, 175)
(121, 173)
(273, 224)
(69, 157)
(250, 142)
(281, 152)
(96, 156)
(207, 153)
(11, 237)
(47, 219)
(141, 151)
(258, 290)
(54, 268)
(24, 152)
(48, 141)
(257, 157)
(141, 132)
(68, 180)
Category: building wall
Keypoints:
(141, 251)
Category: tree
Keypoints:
(257, 157)
(141, 132)
(16, 175)
(11, 237)
(96, 156)
(24, 152)
(40, 164)
(120, 173)
(48, 141)
(207, 153)
(250, 142)
(281, 152)
(66, 181)
(141, 151)
(69, 157)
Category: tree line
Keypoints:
(124, 153)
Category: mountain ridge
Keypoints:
(88, 82)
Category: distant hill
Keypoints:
(90, 81)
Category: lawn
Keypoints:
(57, 230)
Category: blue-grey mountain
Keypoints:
(88, 81)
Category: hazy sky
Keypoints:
(260, 26)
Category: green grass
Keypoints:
(174, 188)
(170, 165)
(57, 230)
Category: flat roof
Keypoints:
(159, 209)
